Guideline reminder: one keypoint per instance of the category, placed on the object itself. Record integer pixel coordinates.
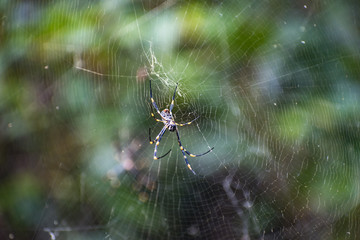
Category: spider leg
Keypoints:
(173, 100)
(190, 154)
(153, 101)
(152, 115)
(157, 142)
(183, 152)
(198, 155)
(188, 123)
(150, 141)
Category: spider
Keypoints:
(170, 124)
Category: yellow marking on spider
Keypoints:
(151, 142)
(192, 155)
(152, 115)
(189, 123)
(157, 144)
(155, 158)
(172, 102)
(189, 166)
(152, 100)
(181, 148)
(157, 138)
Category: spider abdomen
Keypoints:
(172, 127)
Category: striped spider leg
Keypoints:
(157, 142)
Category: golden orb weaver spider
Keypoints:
(169, 123)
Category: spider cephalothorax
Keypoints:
(169, 119)
(169, 123)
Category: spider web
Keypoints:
(275, 85)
